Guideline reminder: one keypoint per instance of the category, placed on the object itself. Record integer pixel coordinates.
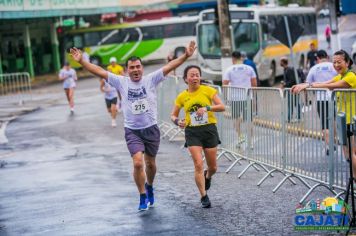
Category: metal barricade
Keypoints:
(306, 138)
(344, 101)
(15, 87)
(167, 93)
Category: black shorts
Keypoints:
(323, 112)
(110, 101)
(205, 136)
(239, 109)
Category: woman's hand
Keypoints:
(201, 111)
(181, 123)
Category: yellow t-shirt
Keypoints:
(117, 69)
(191, 102)
(346, 101)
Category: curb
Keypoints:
(4, 121)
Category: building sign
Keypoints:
(31, 5)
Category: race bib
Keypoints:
(198, 120)
(140, 106)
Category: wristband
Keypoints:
(208, 108)
(176, 121)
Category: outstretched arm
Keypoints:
(94, 69)
(189, 50)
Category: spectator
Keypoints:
(311, 56)
(249, 62)
(289, 80)
(323, 71)
(327, 34)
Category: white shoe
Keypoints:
(72, 110)
(113, 123)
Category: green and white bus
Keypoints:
(252, 29)
(150, 40)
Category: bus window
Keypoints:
(110, 37)
(152, 32)
(132, 34)
(265, 31)
(209, 40)
(92, 38)
(77, 41)
(246, 37)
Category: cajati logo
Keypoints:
(327, 214)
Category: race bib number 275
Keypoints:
(140, 106)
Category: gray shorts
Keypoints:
(143, 140)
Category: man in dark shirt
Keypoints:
(312, 56)
(288, 74)
(288, 81)
(249, 62)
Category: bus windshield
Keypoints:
(245, 39)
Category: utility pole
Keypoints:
(225, 34)
(335, 41)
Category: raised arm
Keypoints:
(94, 69)
(189, 50)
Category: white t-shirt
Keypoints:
(321, 72)
(139, 99)
(239, 75)
(70, 75)
(110, 91)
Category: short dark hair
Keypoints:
(132, 58)
(322, 54)
(66, 63)
(284, 60)
(346, 56)
(187, 68)
(236, 55)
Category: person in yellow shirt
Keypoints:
(199, 103)
(118, 70)
(114, 67)
(346, 101)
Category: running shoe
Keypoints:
(72, 111)
(205, 202)
(113, 123)
(143, 203)
(207, 181)
(150, 195)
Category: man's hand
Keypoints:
(76, 54)
(189, 50)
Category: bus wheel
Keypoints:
(95, 60)
(272, 77)
(179, 51)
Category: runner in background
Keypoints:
(117, 70)
(111, 95)
(68, 76)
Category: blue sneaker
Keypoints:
(150, 195)
(143, 203)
